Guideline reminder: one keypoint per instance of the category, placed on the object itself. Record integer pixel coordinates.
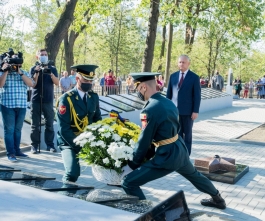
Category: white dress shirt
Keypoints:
(175, 92)
(81, 93)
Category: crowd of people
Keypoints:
(244, 90)
(110, 84)
(250, 87)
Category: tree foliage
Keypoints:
(216, 34)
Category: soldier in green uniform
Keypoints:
(160, 127)
(75, 110)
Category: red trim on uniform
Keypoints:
(62, 109)
(144, 123)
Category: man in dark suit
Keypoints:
(160, 127)
(75, 110)
(185, 91)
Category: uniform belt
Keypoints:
(166, 141)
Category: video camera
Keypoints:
(44, 67)
(13, 60)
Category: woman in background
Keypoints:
(246, 88)
(251, 87)
(237, 86)
(161, 79)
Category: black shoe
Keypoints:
(216, 201)
(34, 150)
(51, 149)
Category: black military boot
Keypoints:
(216, 201)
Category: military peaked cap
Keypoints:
(86, 70)
(143, 76)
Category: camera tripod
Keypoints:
(42, 73)
(41, 97)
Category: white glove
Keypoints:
(126, 170)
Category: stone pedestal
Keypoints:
(221, 169)
(216, 163)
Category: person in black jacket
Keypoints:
(45, 76)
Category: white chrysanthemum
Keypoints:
(80, 137)
(107, 135)
(113, 150)
(82, 142)
(88, 134)
(106, 160)
(117, 163)
(116, 137)
(93, 126)
(101, 143)
(76, 140)
(101, 130)
(106, 127)
(130, 157)
(92, 138)
(121, 143)
(93, 144)
(132, 143)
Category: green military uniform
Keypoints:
(73, 115)
(160, 122)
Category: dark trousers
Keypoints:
(13, 119)
(111, 89)
(48, 112)
(186, 124)
(238, 92)
(71, 165)
(218, 87)
(132, 182)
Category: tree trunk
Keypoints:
(162, 52)
(169, 48)
(190, 31)
(61, 64)
(210, 57)
(54, 38)
(189, 37)
(69, 43)
(151, 36)
(118, 44)
(69, 49)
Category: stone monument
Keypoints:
(214, 164)
(222, 169)
(229, 87)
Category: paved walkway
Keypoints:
(212, 132)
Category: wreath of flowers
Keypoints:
(108, 143)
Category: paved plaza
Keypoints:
(212, 132)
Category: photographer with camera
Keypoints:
(46, 76)
(14, 101)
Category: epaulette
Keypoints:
(70, 93)
(57, 101)
(92, 92)
(59, 98)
